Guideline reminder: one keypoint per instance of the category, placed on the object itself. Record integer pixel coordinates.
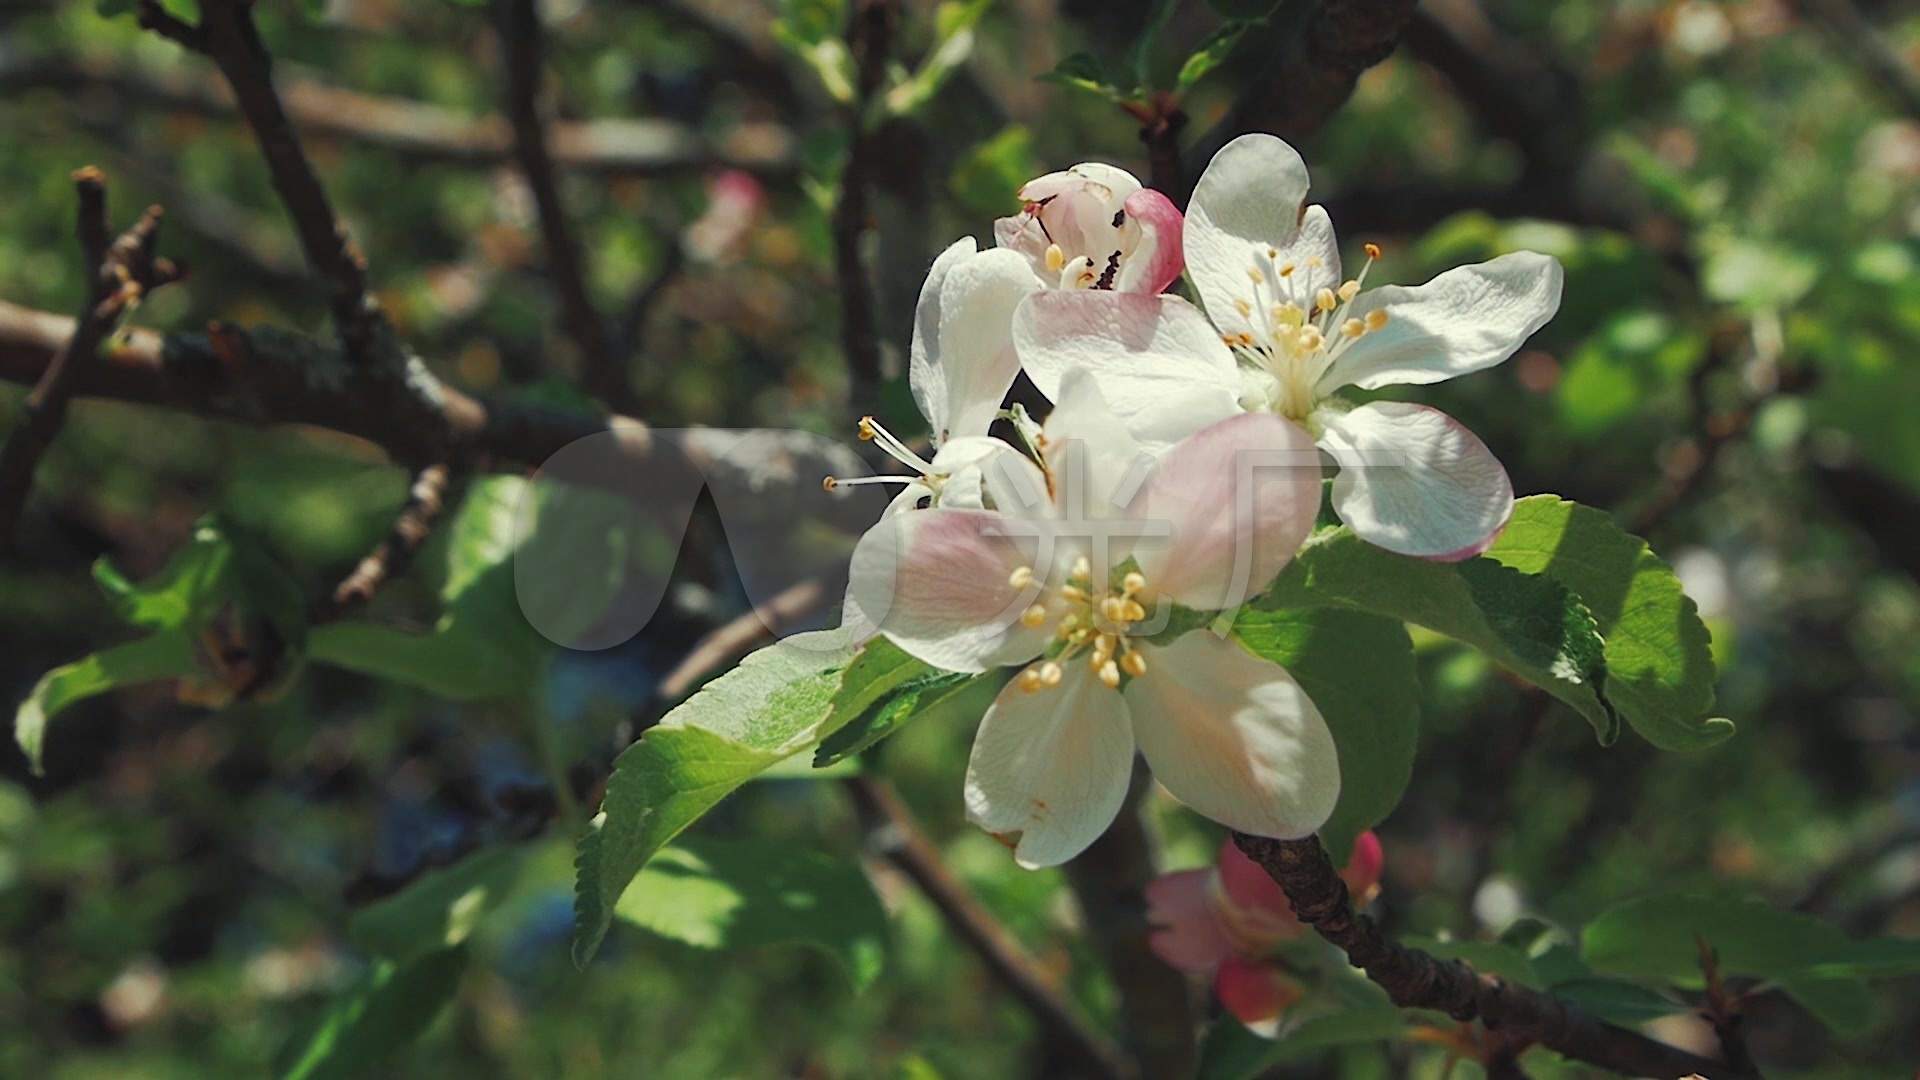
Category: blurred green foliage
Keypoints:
(190, 892)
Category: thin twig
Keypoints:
(417, 130)
(870, 36)
(118, 273)
(896, 837)
(737, 638)
(522, 48)
(1724, 1011)
(1109, 879)
(1414, 979)
(410, 530)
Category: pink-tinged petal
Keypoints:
(1249, 887)
(964, 369)
(1181, 905)
(1415, 481)
(1156, 260)
(1362, 872)
(1247, 201)
(1239, 497)
(1051, 765)
(937, 582)
(1160, 365)
(1255, 992)
(1234, 737)
(1467, 319)
(925, 374)
(1097, 468)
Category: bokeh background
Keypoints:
(1734, 189)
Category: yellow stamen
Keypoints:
(1377, 318)
(1315, 262)
(1021, 577)
(1073, 592)
(1353, 328)
(1287, 270)
(1258, 275)
(1081, 567)
(1350, 290)
(1050, 674)
(1311, 339)
(1373, 251)
(1134, 582)
(1030, 680)
(1324, 299)
(1131, 611)
(1135, 663)
(829, 483)
(1245, 309)
(1056, 259)
(1103, 645)
(1033, 617)
(866, 429)
(1110, 674)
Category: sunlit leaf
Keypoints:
(439, 910)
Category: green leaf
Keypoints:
(1143, 46)
(743, 894)
(1230, 1052)
(169, 654)
(385, 1011)
(439, 910)
(1212, 51)
(1487, 957)
(1880, 958)
(990, 175)
(953, 43)
(1617, 1000)
(1082, 72)
(1654, 938)
(1358, 669)
(1658, 659)
(949, 695)
(1529, 624)
(878, 670)
(776, 703)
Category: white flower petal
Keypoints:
(1095, 465)
(961, 361)
(1415, 481)
(1240, 497)
(1234, 737)
(1160, 364)
(937, 582)
(1465, 320)
(1052, 765)
(1248, 200)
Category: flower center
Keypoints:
(1092, 256)
(1299, 323)
(1093, 623)
(923, 473)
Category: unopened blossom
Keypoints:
(1229, 922)
(960, 366)
(1284, 330)
(1068, 578)
(1095, 227)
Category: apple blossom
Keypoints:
(1073, 589)
(1282, 332)
(1228, 921)
(1095, 227)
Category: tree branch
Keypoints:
(1418, 980)
(418, 130)
(410, 530)
(1109, 879)
(737, 638)
(119, 272)
(265, 375)
(870, 36)
(521, 45)
(892, 832)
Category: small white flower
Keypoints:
(1072, 587)
(1095, 227)
(1284, 331)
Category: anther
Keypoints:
(866, 429)
(1133, 582)
(1113, 608)
(1110, 674)
(1104, 645)
(1021, 577)
(1134, 663)
(1056, 259)
(829, 483)
(1353, 328)
(1349, 290)
(1245, 309)
(1258, 275)
(1073, 592)
(1287, 270)
(1245, 339)
(1050, 674)
(1324, 299)
(1273, 253)
(1315, 262)
(1131, 611)
(1373, 251)
(1311, 339)
(1377, 318)
(1033, 617)
(1030, 680)
(1081, 567)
